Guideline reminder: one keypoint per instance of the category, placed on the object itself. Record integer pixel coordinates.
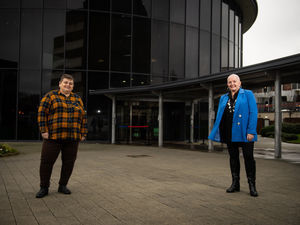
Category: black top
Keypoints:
(226, 122)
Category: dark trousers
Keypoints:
(247, 148)
(50, 152)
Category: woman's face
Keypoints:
(66, 86)
(233, 83)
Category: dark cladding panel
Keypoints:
(55, 4)
(192, 13)
(177, 11)
(204, 52)
(31, 39)
(160, 9)
(9, 38)
(99, 41)
(191, 53)
(141, 48)
(142, 7)
(122, 6)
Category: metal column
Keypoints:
(113, 120)
(278, 117)
(211, 114)
(192, 122)
(130, 122)
(160, 120)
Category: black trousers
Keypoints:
(50, 152)
(247, 148)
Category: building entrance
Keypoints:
(137, 122)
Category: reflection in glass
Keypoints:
(142, 7)
(8, 102)
(177, 11)
(177, 50)
(160, 9)
(56, 4)
(192, 13)
(141, 45)
(119, 80)
(123, 6)
(50, 79)
(140, 80)
(76, 23)
(99, 41)
(31, 38)
(29, 99)
(160, 43)
(98, 80)
(191, 53)
(9, 38)
(99, 114)
(120, 43)
(77, 4)
(99, 5)
(53, 39)
(205, 53)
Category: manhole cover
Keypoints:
(138, 156)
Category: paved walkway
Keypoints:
(140, 185)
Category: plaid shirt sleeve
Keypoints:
(84, 129)
(43, 112)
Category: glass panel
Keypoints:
(140, 80)
(160, 9)
(8, 102)
(99, 41)
(236, 42)
(177, 11)
(31, 39)
(141, 48)
(9, 38)
(192, 13)
(119, 80)
(99, 118)
(77, 4)
(231, 25)
(204, 53)
(57, 4)
(225, 26)
(99, 5)
(240, 44)
(142, 7)
(98, 80)
(160, 43)
(225, 21)
(216, 17)
(205, 13)
(121, 6)
(191, 53)
(231, 55)
(53, 39)
(177, 50)
(29, 99)
(10, 4)
(215, 54)
(76, 39)
(158, 80)
(32, 4)
(121, 43)
(224, 49)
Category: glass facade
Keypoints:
(107, 44)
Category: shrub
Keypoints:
(266, 130)
(285, 136)
(286, 128)
(5, 150)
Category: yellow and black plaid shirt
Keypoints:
(64, 118)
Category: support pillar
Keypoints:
(130, 122)
(278, 116)
(211, 114)
(113, 120)
(192, 122)
(160, 120)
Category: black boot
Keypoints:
(63, 189)
(42, 192)
(235, 186)
(252, 187)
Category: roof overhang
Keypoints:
(249, 9)
(252, 77)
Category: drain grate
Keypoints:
(138, 156)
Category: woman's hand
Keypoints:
(250, 137)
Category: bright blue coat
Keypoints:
(244, 117)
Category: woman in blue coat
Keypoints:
(235, 125)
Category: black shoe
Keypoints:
(63, 189)
(42, 192)
(233, 188)
(253, 191)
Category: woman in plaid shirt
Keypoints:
(63, 124)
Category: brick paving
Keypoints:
(123, 184)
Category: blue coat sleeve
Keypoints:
(251, 128)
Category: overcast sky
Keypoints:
(275, 33)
